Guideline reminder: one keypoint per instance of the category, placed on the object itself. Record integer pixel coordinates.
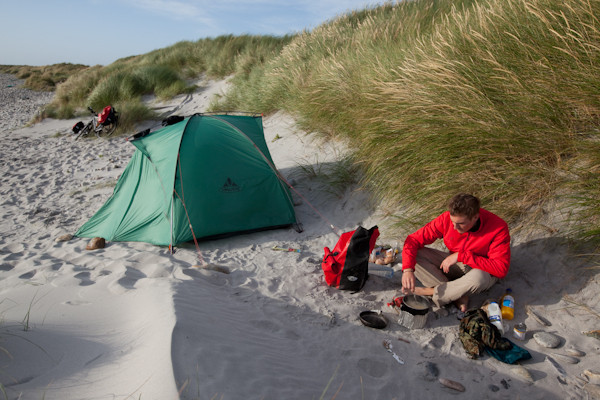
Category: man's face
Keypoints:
(462, 223)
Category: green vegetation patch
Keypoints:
(44, 78)
(163, 72)
(497, 98)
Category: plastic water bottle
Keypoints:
(381, 270)
(508, 305)
(495, 316)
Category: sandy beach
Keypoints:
(132, 321)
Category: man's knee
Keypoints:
(478, 280)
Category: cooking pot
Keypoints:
(416, 305)
(373, 319)
(413, 311)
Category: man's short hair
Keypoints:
(464, 204)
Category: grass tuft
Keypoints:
(45, 78)
(497, 98)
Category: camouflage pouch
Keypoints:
(470, 333)
(476, 333)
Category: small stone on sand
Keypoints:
(64, 238)
(96, 243)
(572, 351)
(565, 358)
(522, 372)
(452, 384)
(546, 339)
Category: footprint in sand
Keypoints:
(214, 277)
(12, 256)
(131, 277)
(84, 277)
(432, 348)
(437, 342)
(372, 367)
(13, 248)
(6, 267)
(274, 284)
(28, 275)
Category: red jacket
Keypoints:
(487, 249)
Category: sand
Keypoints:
(132, 321)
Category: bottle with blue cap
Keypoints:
(508, 305)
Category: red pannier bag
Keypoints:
(104, 114)
(77, 127)
(347, 266)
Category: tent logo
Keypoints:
(230, 186)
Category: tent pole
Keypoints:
(171, 246)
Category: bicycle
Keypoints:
(103, 125)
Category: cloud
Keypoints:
(249, 16)
(204, 9)
(190, 10)
(332, 8)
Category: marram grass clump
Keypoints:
(497, 98)
(45, 78)
(164, 73)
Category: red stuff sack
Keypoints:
(104, 114)
(347, 266)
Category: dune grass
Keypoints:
(164, 73)
(497, 98)
(44, 78)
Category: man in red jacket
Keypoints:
(478, 254)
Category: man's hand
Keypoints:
(408, 281)
(448, 262)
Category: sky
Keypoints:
(91, 32)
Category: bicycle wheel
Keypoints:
(108, 129)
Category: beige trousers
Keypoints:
(460, 279)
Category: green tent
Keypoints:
(206, 176)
